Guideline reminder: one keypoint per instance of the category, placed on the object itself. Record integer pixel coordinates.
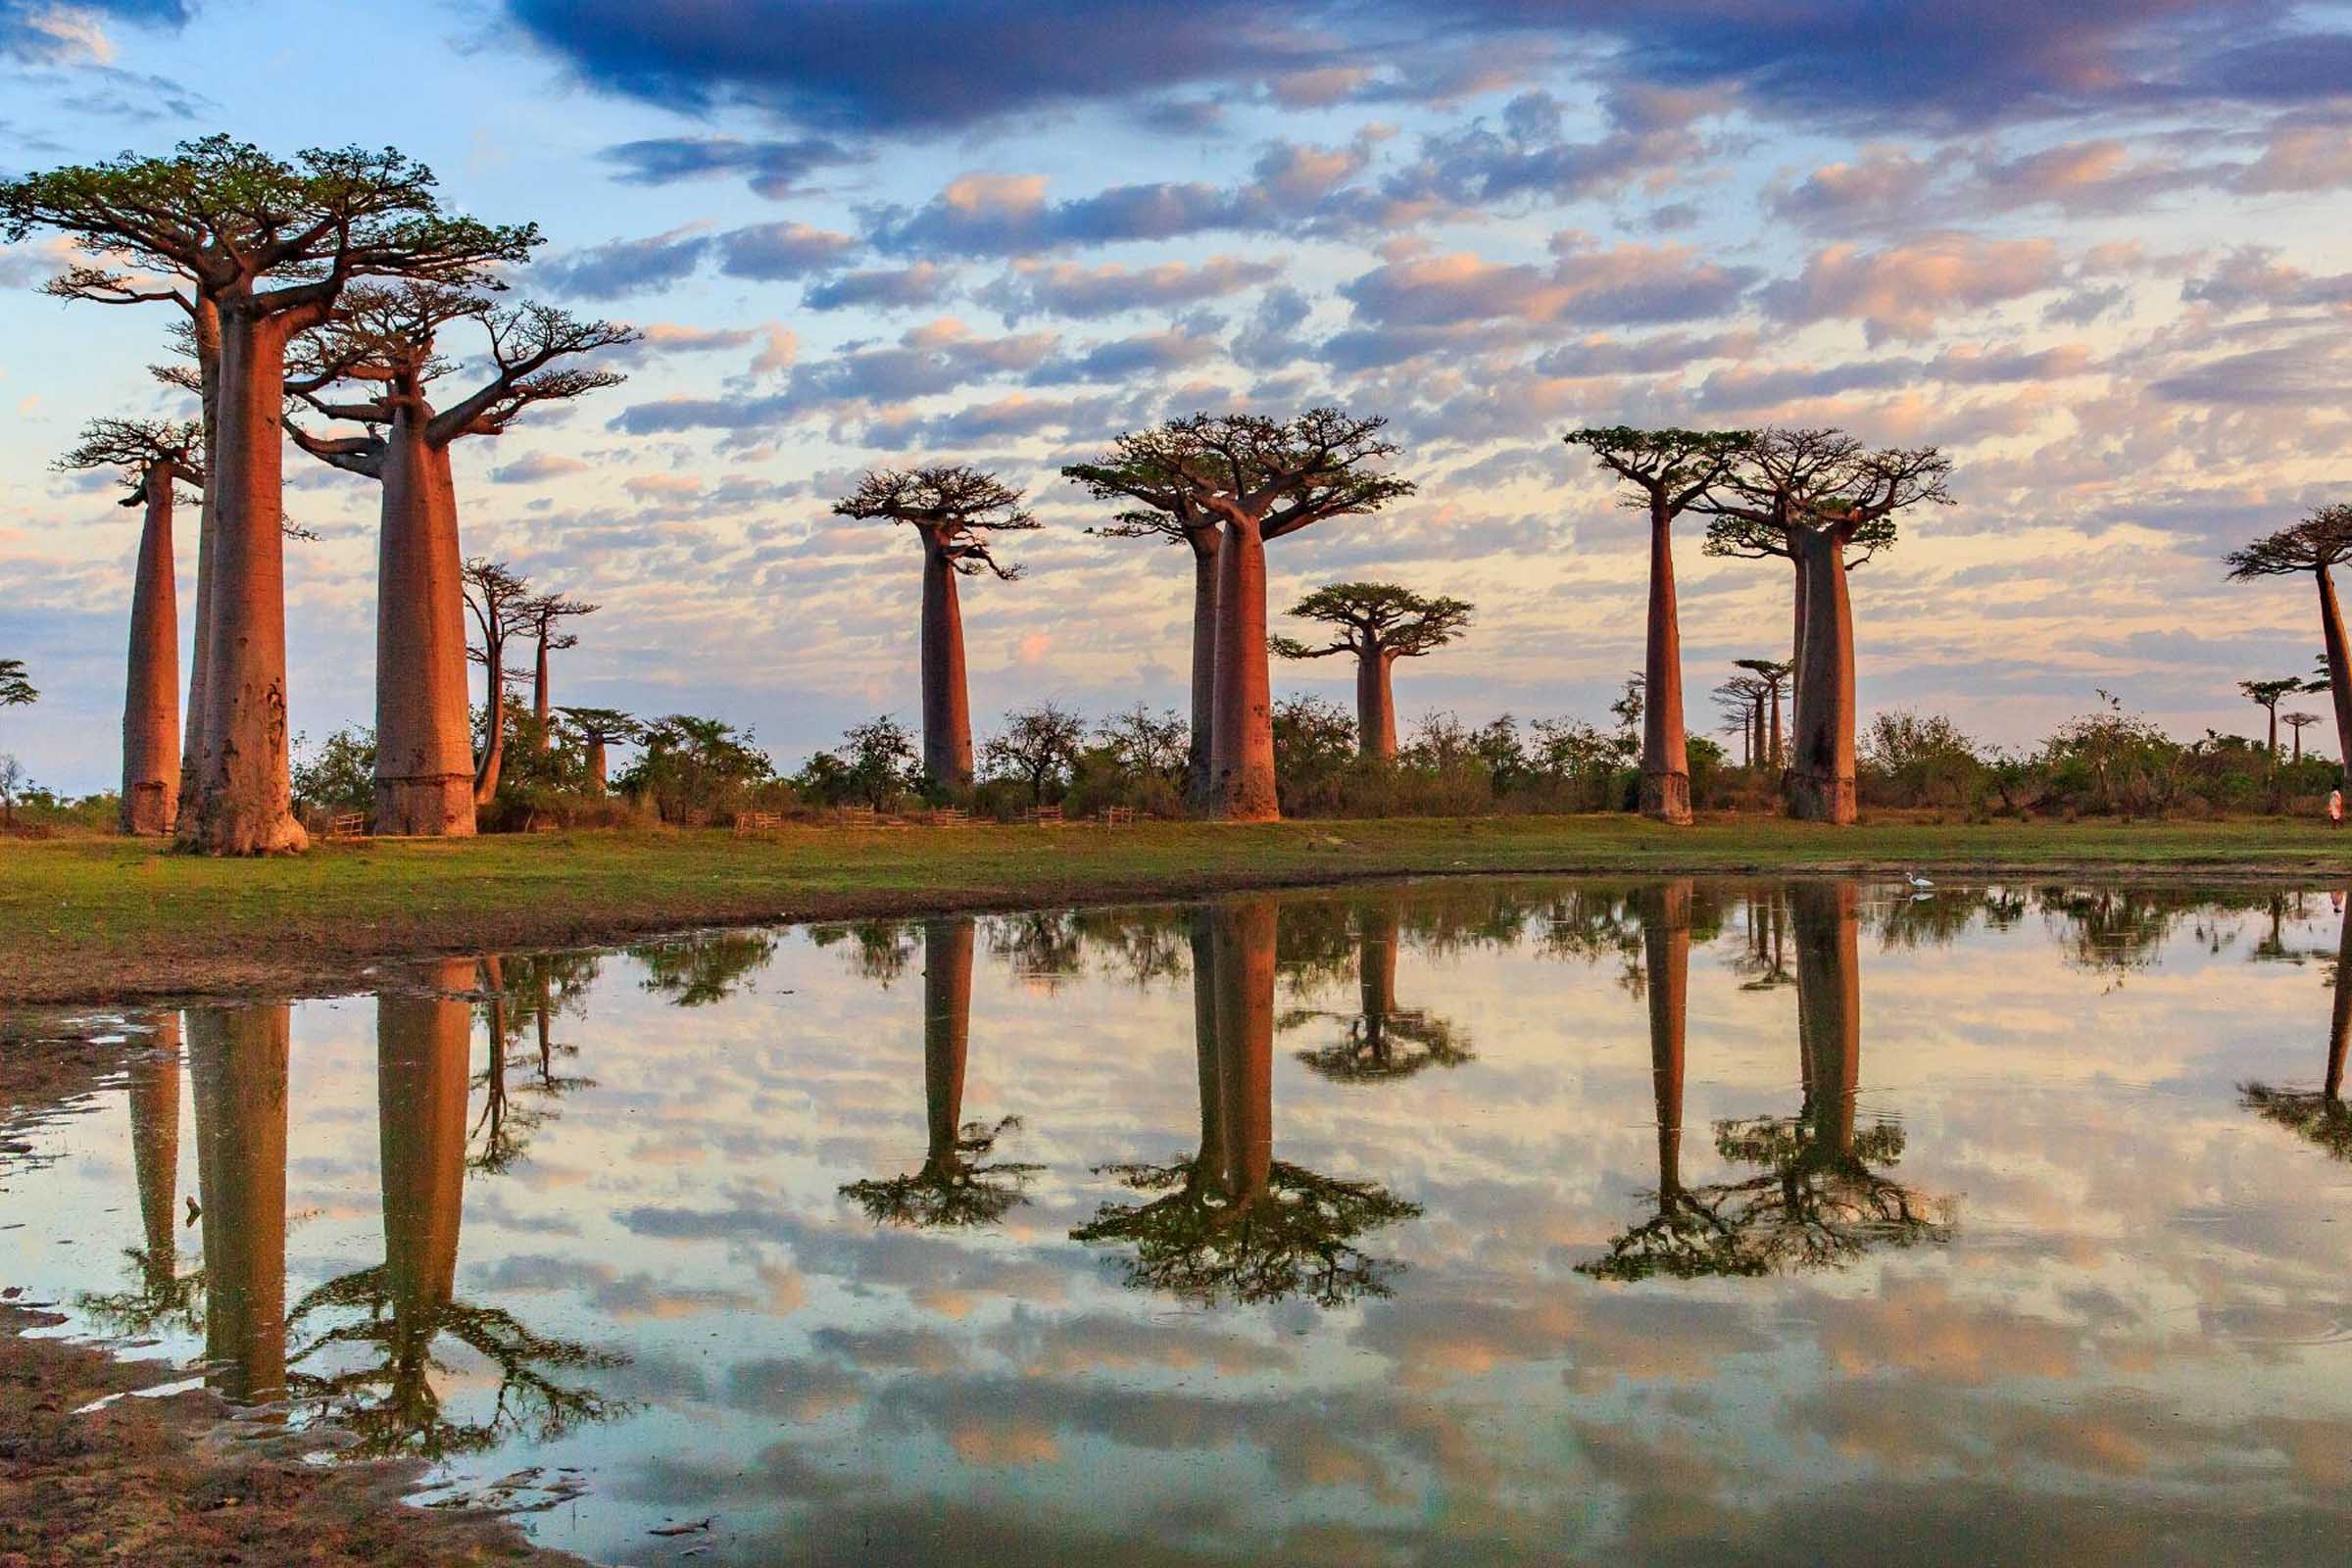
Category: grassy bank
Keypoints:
(101, 919)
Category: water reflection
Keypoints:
(1631, 1279)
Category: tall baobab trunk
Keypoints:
(1666, 943)
(1821, 776)
(1796, 639)
(1774, 756)
(1196, 770)
(596, 761)
(205, 325)
(237, 1064)
(2340, 669)
(539, 711)
(1829, 1005)
(946, 1035)
(151, 687)
(1375, 702)
(424, 774)
(494, 722)
(423, 1062)
(947, 703)
(1242, 948)
(1665, 755)
(155, 1153)
(1242, 785)
(240, 795)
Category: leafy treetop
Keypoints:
(951, 504)
(1377, 618)
(1249, 469)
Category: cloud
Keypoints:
(623, 266)
(2253, 274)
(1621, 284)
(1904, 290)
(886, 288)
(57, 31)
(774, 169)
(534, 466)
(774, 251)
(1879, 184)
(1083, 293)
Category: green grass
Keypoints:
(98, 918)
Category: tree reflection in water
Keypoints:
(1822, 1199)
(1234, 1224)
(1381, 1040)
(2320, 1115)
(957, 1185)
(371, 1358)
(160, 1296)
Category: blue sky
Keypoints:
(2096, 250)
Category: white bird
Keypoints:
(1918, 881)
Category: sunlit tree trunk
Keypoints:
(155, 1151)
(237, 1065)
(241, 798)
(425, 765)
(205, 325)
(493, 732)
(1197, 774)
(1829, 1005)
(2340, 669)
(1243, 787)
(947, 702)
(423, 1065)
(151, 687)
(1243, 953)
(1666, 948)
(1665, 753)
(1375, 702)
(947, 1034)
(1775, 758)
(596, 761)
(539, 709)
(1821, 772)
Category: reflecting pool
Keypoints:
(1456, 1221)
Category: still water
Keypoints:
(1709, 1221)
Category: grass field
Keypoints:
(111, 919)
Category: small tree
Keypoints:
(15, 689)
(540, 617)
(953, 510)
(154, 457)
(2298, 722)
(1378, 623)
(495, 595)
(2267, 695)
(2316, 545)
(599, 728)
(1039, 747)
(1773, 674)
(1670, 471)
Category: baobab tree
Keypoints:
(378, 364)
(2298, 722)
(2317, 545)
(599, 728)
(270, 244)
(155, 456)
(1740, 699)
(495, 595)
(1378, 623)
(1670, 471)
(2267, 695)
(1260, 480)
(953, 510)
(541, 617)
(1773, 674)
(1822, 501)
(1134, 469)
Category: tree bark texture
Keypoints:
(946, 701)
(1665, 751)
(1197, 774)
(2340, 670)
(425, 773)
(151, 683)
(1375, 700)
(539, 709)
(1242, 789)
(1821, 780)
(205, 324)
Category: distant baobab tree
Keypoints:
(541, 617)
(1740, 699)
(269, 245)
(1378, 623)
(2298, 722)
(1774, 674)
(379, 362)
(1259, 478)
(2267, 695)
(155, 456)
(1822, 501)
(495, 595)
(1670, 471)
(599, 728)
(954, 509)
(2317, 545)
(1138, 467)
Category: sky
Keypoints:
(2087, 250)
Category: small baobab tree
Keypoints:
(2267, 695)
(155, 456)
(1773, 674)
(2298, 722)
(542, 616)
(599, 728)
(495, 595)
(1822, 501)
(1740, 701)
(380, 363)
(269, 245)
(1260, 480)
(1378, 623)
(1670, 471)
(2316, 545)
(953, 510)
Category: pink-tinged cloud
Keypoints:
(1906, 291)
